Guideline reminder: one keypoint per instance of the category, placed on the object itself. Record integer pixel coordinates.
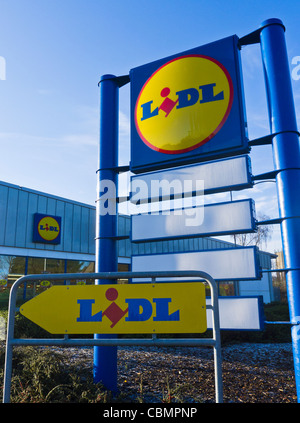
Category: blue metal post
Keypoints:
(105, 358)
(286, 153)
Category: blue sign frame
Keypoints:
(250, 229)
(257, 267)
(159, 174)
(231, 138)
(261, 314)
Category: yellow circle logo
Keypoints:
(48, 228)
(183, 104)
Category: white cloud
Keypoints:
(29, 142)
(45, 91)
(251, 61)
(79, 140)
(124, 124)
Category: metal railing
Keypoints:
(214, 342)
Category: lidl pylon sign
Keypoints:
(188, 108)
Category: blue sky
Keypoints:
(55, 52)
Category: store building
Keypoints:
(43, 233)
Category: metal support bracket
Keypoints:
(117, 169)
(120, 80)
(267, 139)
(254, 36)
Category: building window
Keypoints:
(41, 265)
(11, 269)
(55, 266)
(226, 289)
(123, 267)
(38, 265)
(77, 266)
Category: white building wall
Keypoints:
(258, 287)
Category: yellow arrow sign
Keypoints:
(119, 309)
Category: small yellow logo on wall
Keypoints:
(47, 229)
(183, 104)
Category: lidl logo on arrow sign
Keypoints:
(120, 309)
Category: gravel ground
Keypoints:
(252, 373)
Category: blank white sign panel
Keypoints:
(218, 176)
(216, 219)
(224, 264)
(243, 313)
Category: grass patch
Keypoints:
(39, 376)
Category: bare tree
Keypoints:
(259, 238)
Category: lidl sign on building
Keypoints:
(188, 107)
(46, 229)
